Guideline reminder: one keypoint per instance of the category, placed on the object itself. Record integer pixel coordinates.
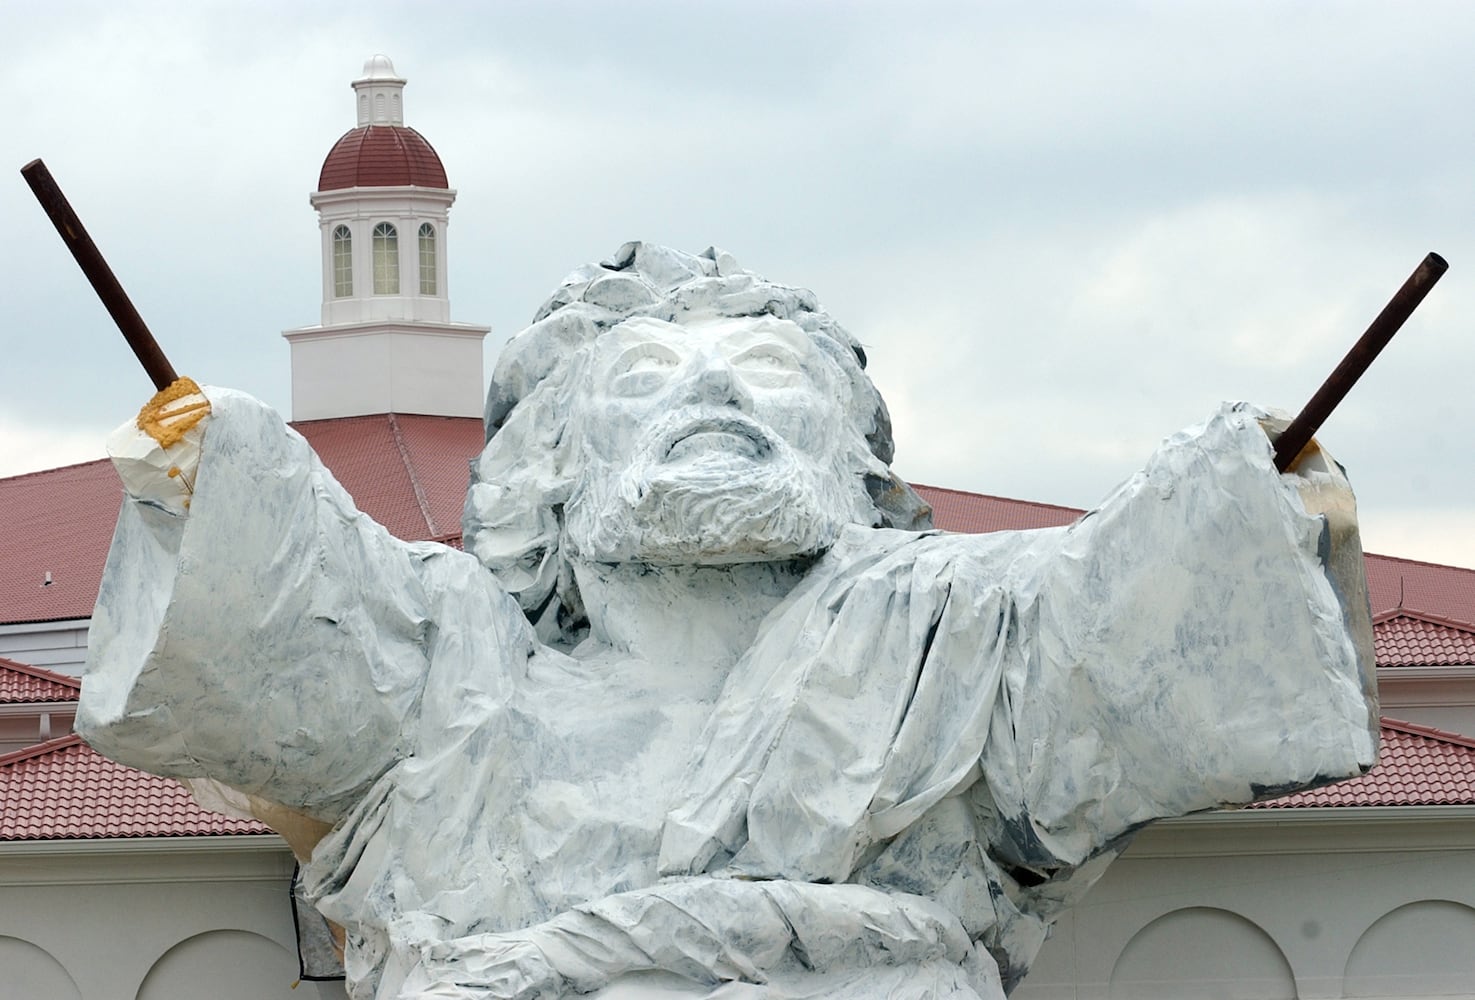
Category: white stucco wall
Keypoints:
(1245, 906)
(1258, 905)
(59, 646)
(1442, 697)
(167, 919)
(347, 371)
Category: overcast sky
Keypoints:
(1062, 230)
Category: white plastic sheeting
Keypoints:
(934, 743)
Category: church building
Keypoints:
(116, 885)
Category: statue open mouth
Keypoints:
(724, 436)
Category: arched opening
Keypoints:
(386, 259)
(1202, 953)
(30, 971)
(1419, 949)
(429, 278)
(223, 965)
(342, 262)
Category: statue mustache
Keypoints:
(752, 439)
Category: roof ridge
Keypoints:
(1417, 562)
(42, 749)
(1428, 732)
(1383, 617)
(993, 496)
(421, 500)
(366, 417)
(69, 791)
(52, 470)
(399, 140)
(66, 680)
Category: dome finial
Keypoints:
(379, 67)
(378, 91)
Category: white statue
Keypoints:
(701, 712)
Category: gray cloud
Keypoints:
(1063, 230)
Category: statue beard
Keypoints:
(716, 508)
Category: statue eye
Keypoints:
(768, 364)
(650, 363)
(643, 369)
(765, 360)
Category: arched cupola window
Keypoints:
(429, 284)
(342, 262)
(386, 259)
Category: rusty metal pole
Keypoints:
(104, 282)
(1295, 437)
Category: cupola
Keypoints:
(385, 342)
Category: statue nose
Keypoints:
(717, 383)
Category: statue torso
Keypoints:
(550, 797)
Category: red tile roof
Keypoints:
(1444, 591)
(58, 522)
(23, 684)
(407, 471)
(976, 513)
(1410, 639)
(1417, 766)
(382, 156)
(1441, 592)
(64, 790)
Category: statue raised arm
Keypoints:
(705, 709)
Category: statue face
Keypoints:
(721, 391)
(717, 440)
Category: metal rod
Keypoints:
(104, 282)
(1295, 437)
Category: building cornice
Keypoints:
(241, 843)
(29, 708)
(1425, 674)
(1327, 816)
(375, 327)
(145, 860)
(1333, 830)
(55, 625)
(338, 196)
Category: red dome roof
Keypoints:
(382, 156)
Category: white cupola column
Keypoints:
(380, 93)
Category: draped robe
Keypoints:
(935, 743)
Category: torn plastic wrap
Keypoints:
(933, 746)
(318, 947)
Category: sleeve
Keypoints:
(272, 638)
(1184, 646)
(1200, 640)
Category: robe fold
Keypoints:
(934, 745)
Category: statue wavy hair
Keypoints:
(514, 516)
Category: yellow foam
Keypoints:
(151, 419)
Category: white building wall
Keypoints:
(1442, 697)
(175, 919)
(1245, 906)
(1258, 906)
(386, 353)
(59, 646)
(27, 724)
(387, 368)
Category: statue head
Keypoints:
(665, 408)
